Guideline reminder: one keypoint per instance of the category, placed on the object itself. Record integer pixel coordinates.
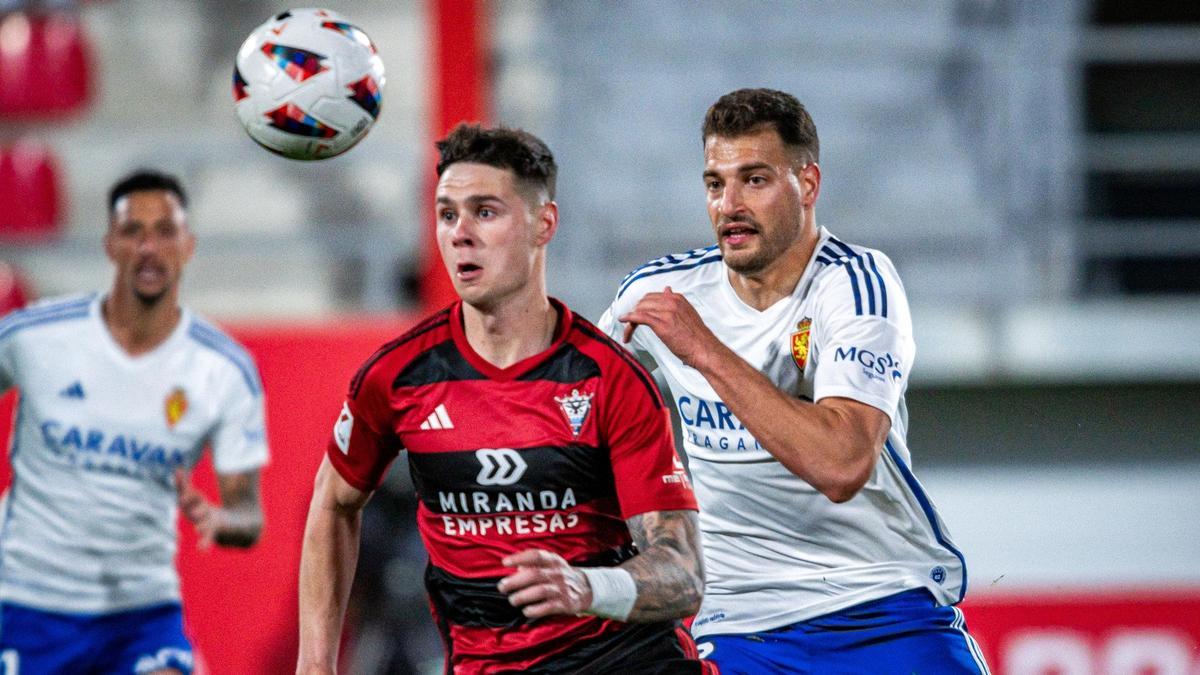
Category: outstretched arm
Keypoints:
(237, 522)
(832, 444)
(667, 576)
(327, 563)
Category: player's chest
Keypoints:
(778, 341)
(485, 414)
(84, 398)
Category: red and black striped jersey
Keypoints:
(554, 452)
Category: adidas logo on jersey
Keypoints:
(438, 419)
(73, 391)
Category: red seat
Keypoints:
(45, 65)
(30, 193)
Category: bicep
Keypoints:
(332, 491)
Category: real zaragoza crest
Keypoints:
(800, 342)
(175, 406)
(576, 408)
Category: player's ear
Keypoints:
(189, 243)
(810, 183)
(545, 223)
(109, 244)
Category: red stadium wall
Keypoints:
(241, 607)
(1111, 631)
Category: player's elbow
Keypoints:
(848, 480)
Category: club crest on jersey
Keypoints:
(576, 408)
(800, 342)
(175, 406)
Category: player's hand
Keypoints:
(675, 322)
(545, 585)
(205, 516)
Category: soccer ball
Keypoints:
(308, 84)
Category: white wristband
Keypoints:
(613, 592)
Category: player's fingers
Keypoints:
(531, 556)
(534, 594)
(544, 609)
(191, 505)
(207, 537)
(629, 328)
(516, 581)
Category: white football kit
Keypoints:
(776, 550)
(89, 522)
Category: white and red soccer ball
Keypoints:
(308, 84)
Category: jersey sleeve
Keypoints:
(863, 333)
(239, 443)
(647, 470)
(625, 301)
(362, 447)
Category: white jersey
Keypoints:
(89, 520)
(776, 550)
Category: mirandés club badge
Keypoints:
(576, 408)
(800, 342)
(175, 406)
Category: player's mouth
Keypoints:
(149, 273)
(736, 234)
(467, 271)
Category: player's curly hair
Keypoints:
(745, 110)
(144, 180)
(517, 150)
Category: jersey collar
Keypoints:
(110, 344)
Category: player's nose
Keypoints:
(730, 202)
(462, 232)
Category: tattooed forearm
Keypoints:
(668, 569)
(241, 519)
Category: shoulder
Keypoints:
(678, 270)
(49, 312)
(859, 279)
(229, 351)
(390, 358)
(617, 365)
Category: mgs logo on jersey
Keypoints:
(800, 343)
(882, 367)
(576, 407)
(175, 406)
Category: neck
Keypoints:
(511, 332)
(777, 280)
(136, 326)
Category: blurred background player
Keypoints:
(560, 525)
(788, 352)
(119, 395)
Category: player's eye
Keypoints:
(712, 185)
(757, 180)
(446, 215)
(485, 212)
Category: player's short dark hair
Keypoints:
(517, 150)
(143, 180)
(744, 111)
